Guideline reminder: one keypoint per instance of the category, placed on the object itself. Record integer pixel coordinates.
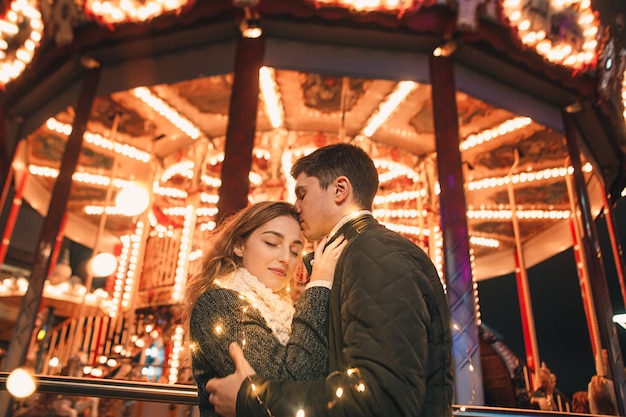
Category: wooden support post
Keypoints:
(242, 113)
(590, 244)
(31, 301)
(457, 265)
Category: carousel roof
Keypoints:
(164, 97)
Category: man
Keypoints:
(390, 341)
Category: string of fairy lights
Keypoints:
(340, 381)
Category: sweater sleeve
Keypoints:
(221, 317)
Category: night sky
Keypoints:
(562, 335)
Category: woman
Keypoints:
(241, 296)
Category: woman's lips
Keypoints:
(279, 271)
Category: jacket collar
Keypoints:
(352, 224)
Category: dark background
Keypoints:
(562, 335)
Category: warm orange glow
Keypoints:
(365, 5)
(118, 11)
(574, 47)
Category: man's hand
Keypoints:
(223, 391)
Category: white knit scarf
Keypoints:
(276, 309)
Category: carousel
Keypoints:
(132, 127)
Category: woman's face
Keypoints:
(272, 252)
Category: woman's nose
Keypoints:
(283, 256)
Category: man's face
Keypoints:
(315, 206)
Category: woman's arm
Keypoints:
(220, 317)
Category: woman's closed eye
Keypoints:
(295, 251)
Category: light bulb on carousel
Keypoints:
(133, 199)
(103, 264)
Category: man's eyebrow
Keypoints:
(280, 235)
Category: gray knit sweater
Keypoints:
(303, 357)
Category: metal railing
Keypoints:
(112, 388)
(187, 394)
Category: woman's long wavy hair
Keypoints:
(220, 259)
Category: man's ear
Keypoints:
(343, 188)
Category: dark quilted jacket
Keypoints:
(389, 320)
(303, 357)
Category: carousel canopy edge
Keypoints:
(566, 39)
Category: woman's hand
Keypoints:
(325, 258)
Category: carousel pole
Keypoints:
(96, 244)
(17, 200)
(613, 366)
(242, 113)
(57, 245)
(8, 154)
(31, 301)
(12, 218)
(521, 276)
(582, 268)
(10, 175)
(457, 263)
(615, 245)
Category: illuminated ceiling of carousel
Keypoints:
(172, 139)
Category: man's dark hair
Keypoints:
(332, 161)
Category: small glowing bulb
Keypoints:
(339, 392)
(103, 264)
(218, 330)
(300, 413)
(360, 387)
(21, 383)
(253, 387)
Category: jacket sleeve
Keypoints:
(220, 317)
(383, 357)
